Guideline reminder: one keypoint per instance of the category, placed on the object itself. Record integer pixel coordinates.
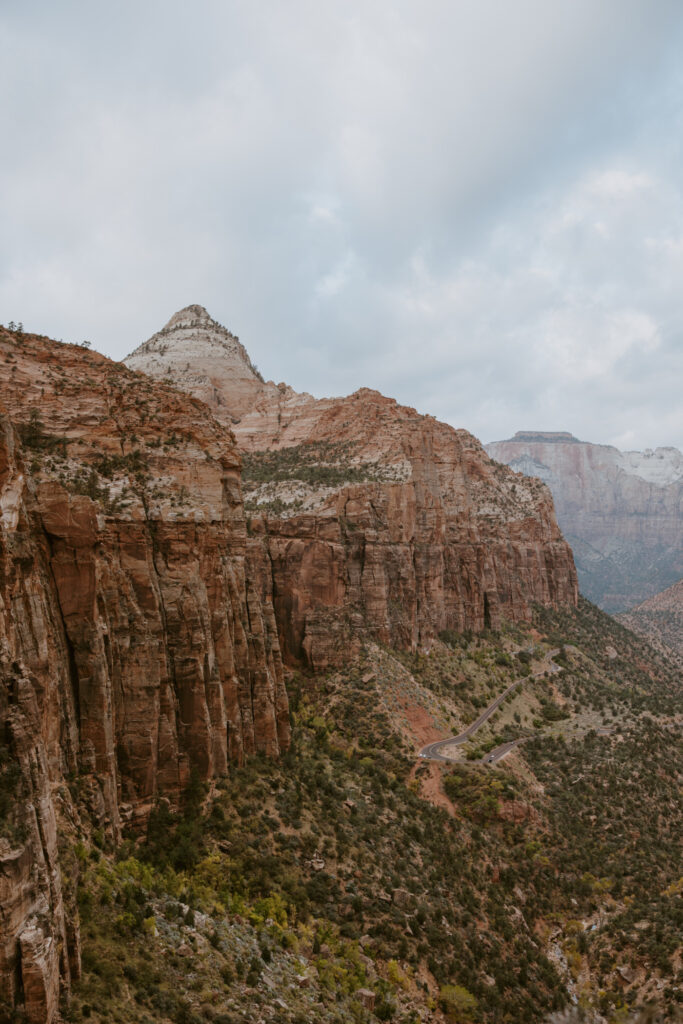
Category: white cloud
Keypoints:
(475, 207)
(553, 329)
(337, 279)
(580, 344)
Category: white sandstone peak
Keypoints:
(199, 355)
(188, 316)
(192, 336)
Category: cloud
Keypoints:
(569, 319)
(475, 207)
(581, 344)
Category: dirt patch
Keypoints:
(430, 786)
(455, 751)
(558, 696)
(421, 725)
(413, 710)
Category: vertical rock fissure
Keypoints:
(250, 641)
(416, 631)
(20, 997)
(275, 595)
(72, 667)
(151, 531)
(169, 658)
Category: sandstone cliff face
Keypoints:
(368, 520)
(134, 646)
(37, 749)
(622, 512)
(437, 537)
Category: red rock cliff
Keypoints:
(367, 518)
(436, 537)
(134, 646)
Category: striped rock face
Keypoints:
(134, 644)
(372, 521)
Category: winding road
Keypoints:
(432, 752)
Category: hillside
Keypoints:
(350, 882)
(660, 618)
(620, 511)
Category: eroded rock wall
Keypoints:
(460, 544)
(133, 645)
(38, 749)
(428, 534)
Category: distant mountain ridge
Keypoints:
(622, 512)
(662, 465)
(547, 436)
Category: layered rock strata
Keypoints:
(622, 512)
(367, 519)
(134, 646)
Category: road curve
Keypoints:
(432, 752)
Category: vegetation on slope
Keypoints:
(287, 479)
(330, 887)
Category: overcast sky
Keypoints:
(475, 206)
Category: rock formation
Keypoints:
(368, 520)
(134, 646)
(622, 512)
(205, 355)
(142, 617)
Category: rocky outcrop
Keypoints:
(134, 646)
(207, 356)
(368, 520)
(622, 512)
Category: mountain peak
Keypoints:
(189, 316)
(198, 354)
(192, 334)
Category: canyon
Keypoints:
(622, 512)
(178, 539)
(165, 554)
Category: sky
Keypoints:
(474, 206)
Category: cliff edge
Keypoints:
(134, 645)
(373, 521)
